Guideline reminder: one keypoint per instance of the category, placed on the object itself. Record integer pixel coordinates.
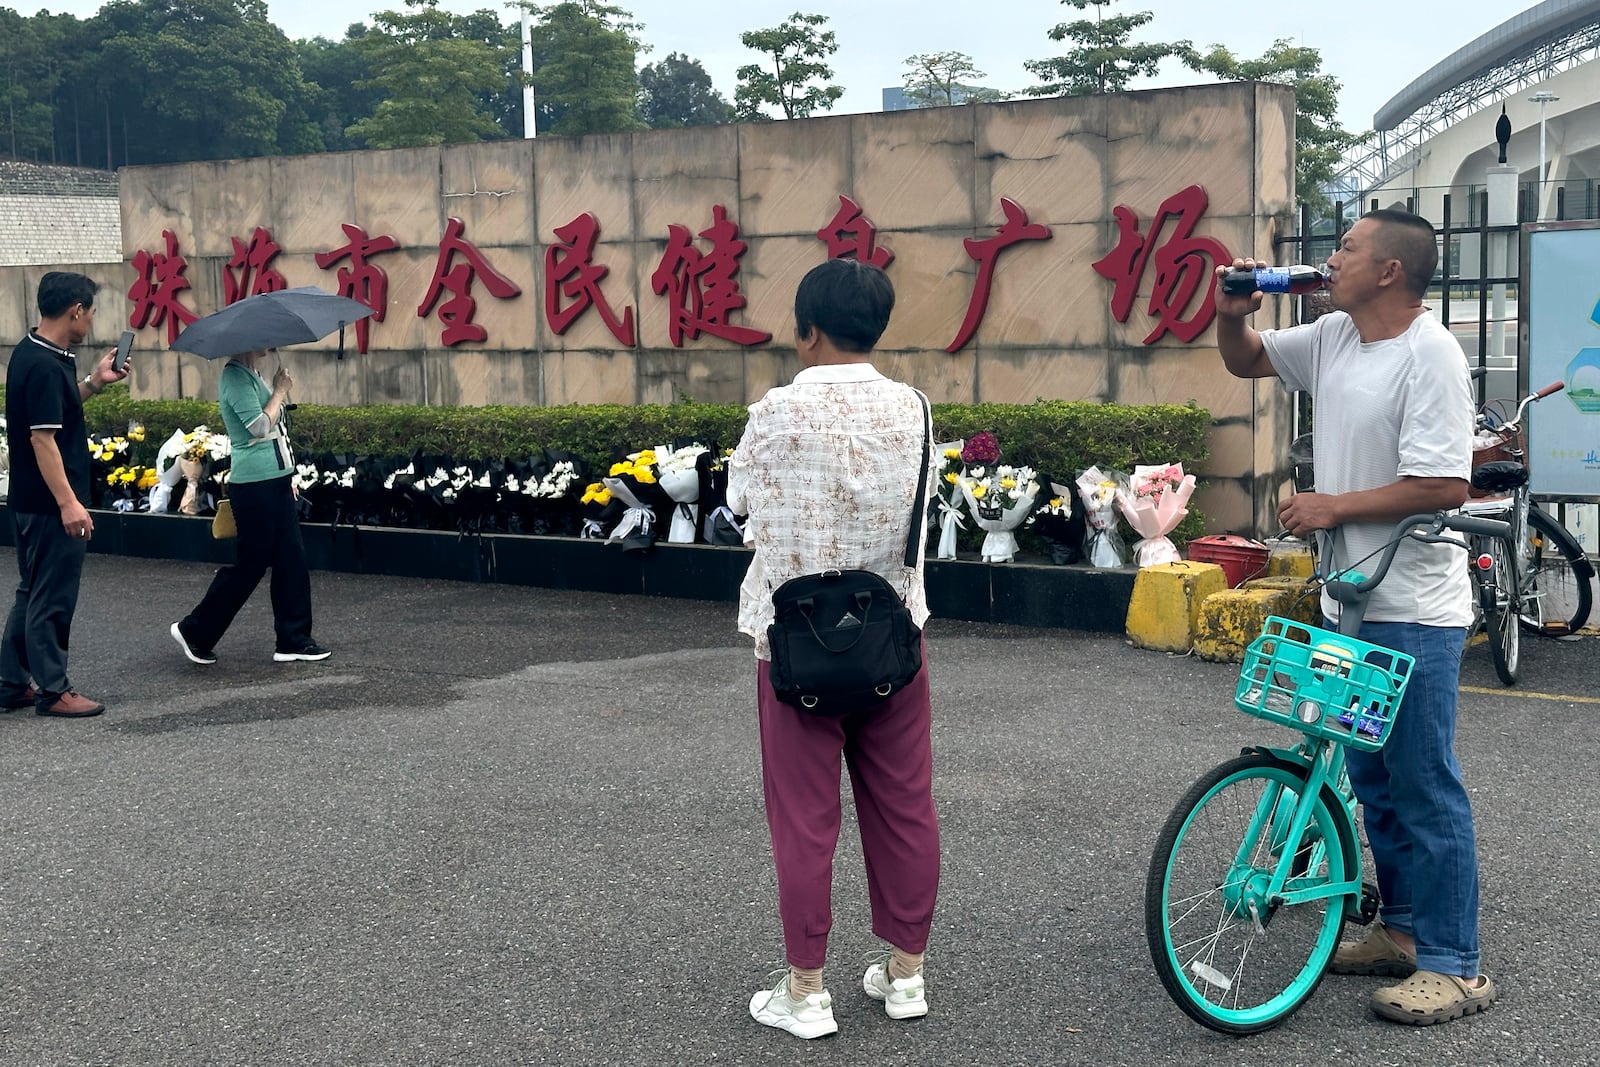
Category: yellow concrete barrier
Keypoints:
(1228, 621)
(1289, 560)
(1165, 606)
(1302, 605)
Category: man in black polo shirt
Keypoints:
(49, 493)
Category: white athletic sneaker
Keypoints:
(809, 1017)
(903, 998)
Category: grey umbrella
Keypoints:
(271, 320)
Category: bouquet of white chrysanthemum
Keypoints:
(1001, 499)
(681, 473)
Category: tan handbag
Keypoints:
(222, 526)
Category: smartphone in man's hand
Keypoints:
(124, 346)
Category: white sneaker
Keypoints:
(903, 998)
(809, 1017)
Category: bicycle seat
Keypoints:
(1501, 476)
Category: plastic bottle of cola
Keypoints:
(1292, 280)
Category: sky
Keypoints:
(1364, 44)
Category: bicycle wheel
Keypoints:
(1229, 969)
(1558, 594)
(1500, 621)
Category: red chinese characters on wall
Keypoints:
(698, 275)
(851, 235)
(154, 293)
(249, 271)
(703, 288)
(570, 272)
(1184, 266)
(457, 278)
(361, 280)
(1015, 229)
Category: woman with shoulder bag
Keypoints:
(828, 471)
(266, 514)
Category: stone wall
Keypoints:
(51, 214)
(927, 179)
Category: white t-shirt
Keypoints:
(1400, 407)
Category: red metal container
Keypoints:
(1239, 557)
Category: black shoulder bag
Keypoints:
(843, 641)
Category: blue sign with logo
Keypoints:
(1564, 345)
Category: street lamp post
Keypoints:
(530, 125)
(1542, 97)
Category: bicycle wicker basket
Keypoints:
(1507, 445)
(1323, 683)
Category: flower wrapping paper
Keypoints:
(1154, 501)
(633, 481)
(947, 498)
(681, 473)
(1000, 500)
(1098, 491)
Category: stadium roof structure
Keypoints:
(1544, 40)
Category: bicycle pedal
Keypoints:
(1367, 910)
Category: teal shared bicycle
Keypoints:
(1259, 865)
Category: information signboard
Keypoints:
(1561, 295)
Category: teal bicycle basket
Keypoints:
(1323, 683)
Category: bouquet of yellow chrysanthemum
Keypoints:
(600, 508)
(128, 487)
(106, 454)
(945, 512)
(634, 481)
(1098, 490)
(1058, 520)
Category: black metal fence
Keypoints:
(1464, 285)
(1466, 280)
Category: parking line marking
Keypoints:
(1532, 696)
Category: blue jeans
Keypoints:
(1418, 818)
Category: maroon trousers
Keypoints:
(890, 756)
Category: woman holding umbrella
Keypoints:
(266, 512)
(260, 481)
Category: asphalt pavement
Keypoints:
(521, 826)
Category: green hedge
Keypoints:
(1056, 437)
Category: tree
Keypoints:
(1319, 139)
(798, 56)
(939, 79)
(584, 79)
(200, 79)
(1104, 60)
(332, 69)
(677, 92)
(431, 77)
(27, 82)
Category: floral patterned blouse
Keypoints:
(826, 471)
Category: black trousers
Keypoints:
(50, 565)
(269, 536)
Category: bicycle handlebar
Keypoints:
(1352, 592)
(1515, 422)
